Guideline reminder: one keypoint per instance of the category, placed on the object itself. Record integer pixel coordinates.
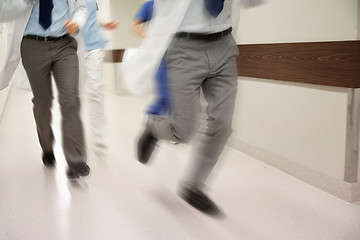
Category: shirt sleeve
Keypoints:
(145, 12)
(80, 13)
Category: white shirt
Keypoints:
(198, 20)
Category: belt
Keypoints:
(45, 39)
(200, 36)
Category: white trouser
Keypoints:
(94, 66)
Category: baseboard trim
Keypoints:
(349, 192)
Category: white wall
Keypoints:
(302, 123)
(3, 49)
(124, 11)
(299, 21)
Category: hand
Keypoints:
(71, 26)
(111, 25)
(138, 29)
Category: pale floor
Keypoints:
(123, 199)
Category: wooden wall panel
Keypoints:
(324, 63)
(114, 56)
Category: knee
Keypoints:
(42, 102)
(221, 129)
(96, 92)
(70, 103)
(183, 135)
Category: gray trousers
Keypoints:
(40, 59)
(192, 66)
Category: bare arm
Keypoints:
(109, 25)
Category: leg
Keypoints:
(220, 93)
(185, 79)
(66, 73)
(82, 66)
(94, 65)
(37, 63)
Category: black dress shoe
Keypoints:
(82, 169)
(76, 170)
(72, 175)
(48, 159)
(200, 201)
(146, 145)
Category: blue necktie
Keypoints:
(214, 7)
(46, 7)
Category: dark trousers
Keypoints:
(40, 59)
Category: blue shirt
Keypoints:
(145, 12)
(92, 33)
(59, 15)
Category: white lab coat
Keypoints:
(11, 9)
(12, 70)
